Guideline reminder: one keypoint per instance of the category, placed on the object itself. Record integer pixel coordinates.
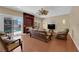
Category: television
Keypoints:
(51, 26)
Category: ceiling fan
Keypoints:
(43, 11)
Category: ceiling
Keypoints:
(52, 10)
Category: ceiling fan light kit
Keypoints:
(43, 12)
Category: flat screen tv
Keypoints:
(51, 26)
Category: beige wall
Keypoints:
(10, 12)
(58, 21)
(74, 25)
(39, 20)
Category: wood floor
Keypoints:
(55, 45)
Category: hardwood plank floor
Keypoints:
(55, 45)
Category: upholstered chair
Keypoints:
(9, 44)
(63, 34)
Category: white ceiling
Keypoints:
(53, 10)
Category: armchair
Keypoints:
(62, 35)
(9, 45)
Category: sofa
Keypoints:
(41, 35)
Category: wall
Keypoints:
(39, 20)
(1, 24)
(74, 25)
(57, 20)
(10, 12)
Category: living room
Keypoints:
(62, 17)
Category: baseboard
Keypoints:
(74, 42)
